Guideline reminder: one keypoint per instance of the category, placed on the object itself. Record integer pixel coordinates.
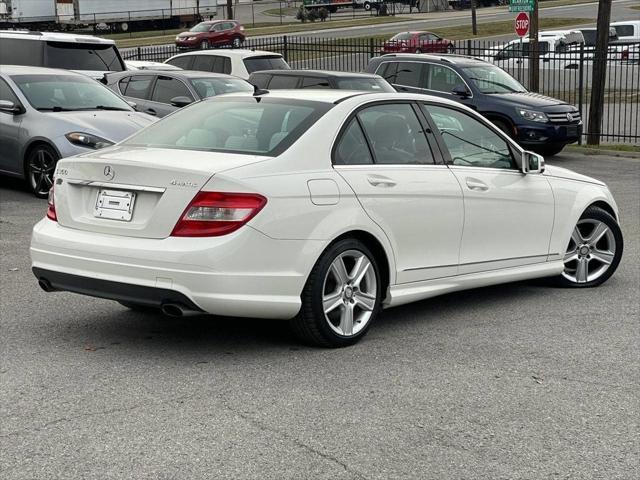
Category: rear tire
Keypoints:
(341, 298)
(593, 252)
(504, 126)
(40, 166)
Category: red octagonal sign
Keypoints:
(522, 24)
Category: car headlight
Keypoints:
(533, 116)
(87, 140)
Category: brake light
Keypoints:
(212, 214)
(51, 207)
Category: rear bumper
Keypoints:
(245, 274)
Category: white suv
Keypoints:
(92, 56)
(239, 63)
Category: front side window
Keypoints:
(395, 134)
(442, 79)
(67, 93)
(6, 94)
(470, 142)
(167, 88)
(83, 56)
(364, 84)
(279, 82)
(209, 87)
(352, 148)
(315, 82)
(247, 125)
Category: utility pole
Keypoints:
(599, 76)
(534, 57)
(229, 9)
(474, 21)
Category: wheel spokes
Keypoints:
(365, 301)
(602, 256)
(339, 271)
(346, 319)
(599, 231)
(576, 236)
(360, 270)
(332, 301)
(571, 255)
(582, 270)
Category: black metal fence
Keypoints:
(565, 74)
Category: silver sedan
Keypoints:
(48, 114)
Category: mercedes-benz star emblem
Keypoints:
(109, 172)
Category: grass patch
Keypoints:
(276, 12)
(618, 147)
(636, 7)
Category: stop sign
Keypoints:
(522, 24)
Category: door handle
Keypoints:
(477, 185)
(151, 111)
(381, 182)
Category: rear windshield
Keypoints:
(272, 62)
(249, 125)
(365, 84)
(209, 87)
(83, 56)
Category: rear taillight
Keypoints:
(51, 207)
(212, 214)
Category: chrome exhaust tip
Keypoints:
(177, 310)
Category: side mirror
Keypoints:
(181, 101)
(532, 162)
(461, 91)
(10, 107)
(133, 105)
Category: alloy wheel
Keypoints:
(590, 253)
(349, 293)
(41, 167)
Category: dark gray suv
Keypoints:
(537, 122)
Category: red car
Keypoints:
(417, 42)
(212, 34)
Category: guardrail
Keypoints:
(566, 75)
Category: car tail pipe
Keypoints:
(178, 310)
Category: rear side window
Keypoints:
(260, 80)
(138, 86)
(365, 84)
(624, 30)
(7, 94)
(408, 74)
(184, 62)
(267, 62)
(352, 148)
(283, 81)
(204, 63)
(167, 88)
(315, 82)
(17, 51)
(442, 79)
(83, 56)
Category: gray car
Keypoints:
(47, 114)
(159, 93)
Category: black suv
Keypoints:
(539, 123)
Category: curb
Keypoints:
(599, 151)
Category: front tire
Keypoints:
(550, 151)
(341, 298)
(40, 166)
(594, 250)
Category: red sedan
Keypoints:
(212, 34)
(417, 42)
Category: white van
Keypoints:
(92, 56)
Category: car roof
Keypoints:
(242, 53)
(28, 70)
(54, 36)
(319, 73)
(184, 74)
(446, 58)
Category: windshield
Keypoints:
(83, 56)
(246, 125)
(209, 87)
(273, 62)
(492, 79)
(201, 27)
(365, 84)
(402, 36)
(59, 93)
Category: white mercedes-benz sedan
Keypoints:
(321, 207)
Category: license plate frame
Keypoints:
(114, 204)
(572, 130)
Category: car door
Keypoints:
(10, 133)
(385, 153)
(508, 216)
(441, 80)
(219, 37)
(164, 90)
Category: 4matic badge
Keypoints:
(183, 183)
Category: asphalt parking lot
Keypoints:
(517, 381)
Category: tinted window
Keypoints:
(365, 84)
(442, 79)
(182, 62)
(167, 88)
(283, 81)
(408, 74)
(273, 62)
(352, 147)
(16, 51)
(491, 79)
(122, 84)
(7, 94)
(260, 80)
(138, 86)
(228, 124)
(67, 92)
(624, 30)
(208, 87)
(315, 82)
(203, 63)
(78, 56)
(395, 134)
(470, 142)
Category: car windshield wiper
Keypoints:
(105, 107)
(55, 109)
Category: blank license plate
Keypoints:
(572, 130)
(114, 204)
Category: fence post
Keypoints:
(581, 91)
(371, 48)
(285, 48)
(469, 47)
(139, 53)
